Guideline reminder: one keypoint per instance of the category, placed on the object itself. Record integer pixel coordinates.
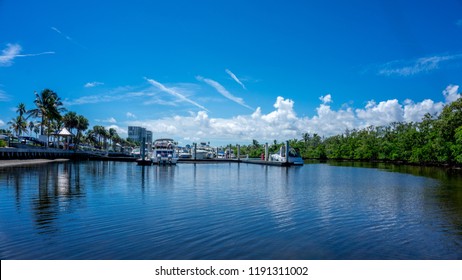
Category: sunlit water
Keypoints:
(113, 210)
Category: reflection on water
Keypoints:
(112, 210)
(448, 192)
(50, 191)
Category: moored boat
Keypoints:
(164, 151)
(293, 156)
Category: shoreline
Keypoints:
(394, 162)
(24, 162)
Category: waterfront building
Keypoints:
(137, 133)
(149, 139)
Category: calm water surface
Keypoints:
(113, 210)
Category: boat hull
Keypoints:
(164, 161)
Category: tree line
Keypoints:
(436, 139)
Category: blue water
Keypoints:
(114, 210)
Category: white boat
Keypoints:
(203, 151)
(164, 151)
(137, 152)
(199, 154)
(294, 157)
(184, 153)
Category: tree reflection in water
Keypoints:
(58, 189)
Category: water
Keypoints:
(114, 210)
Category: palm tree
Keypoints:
(18, 125)
(102, 134)
(49, 108)
(112, 136)
(105, 134)
(82, 125)
(31, 127)
(71, 120)
(91, 136)
(36, 130)
(21, 110)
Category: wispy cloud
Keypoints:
(93, 84)
(420, 65)
(130, 115)
(231, 74)
(13, 51)
(3, 96)
(115, 94)
(67, 37)
(109, 120)
(223, 91)
(174, 93)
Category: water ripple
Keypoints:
(94, 210)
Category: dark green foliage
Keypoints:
(434, 140)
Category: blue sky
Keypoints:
(233, 71)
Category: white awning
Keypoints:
(64, 132)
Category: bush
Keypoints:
(3, 143)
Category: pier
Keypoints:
(52, 154)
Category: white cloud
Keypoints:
(329, 122)
(223, 91)
(414, 112)
(2, 123)
(420, 65)
(93, 84)
(13, 51)
(130, 115)
(120, 131)
(231, 74)
(379, 114)
(284, 111)
(9, 53)
(175, 93)
(451, 93)
(326, 99)
(282, 122)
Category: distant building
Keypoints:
(137, 133)
(149, 136)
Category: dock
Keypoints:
(26, 153)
